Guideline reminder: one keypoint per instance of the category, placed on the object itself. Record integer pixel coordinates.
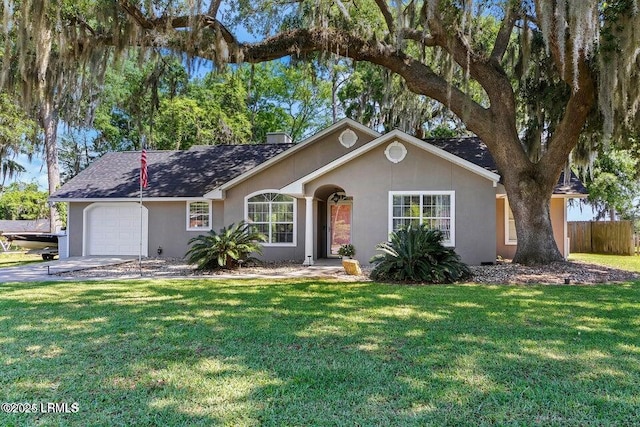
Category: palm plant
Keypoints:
(416, 254)
(226, 249)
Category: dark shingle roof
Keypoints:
(190, 173)
(475, 151)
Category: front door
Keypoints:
(339, 230)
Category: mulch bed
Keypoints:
(556, 273)
(501, 273)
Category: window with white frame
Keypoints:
(199, 215)
(510, 236)
(273, 215)
(436, 209)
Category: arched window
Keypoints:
(273, 214)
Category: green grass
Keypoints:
(201, 353)
(14, 259)
(630, 263)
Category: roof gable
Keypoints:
(218, 193)
(297, 187)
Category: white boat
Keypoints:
(33, 240)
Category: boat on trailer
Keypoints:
(45, 244)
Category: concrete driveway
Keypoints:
(44, 271)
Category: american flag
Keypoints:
(144, 178)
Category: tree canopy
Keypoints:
(157, 105)
(23, 201)
(532, 78)
(614, 185)
(160, 106)
(15, 130)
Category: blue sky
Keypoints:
(36, 171)
(578, 212)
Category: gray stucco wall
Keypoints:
(301, 163)
(370, 177)
(167, 227)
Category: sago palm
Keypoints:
(225, 249)
(416, 254)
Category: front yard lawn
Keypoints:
(214, 352)
(629, 263)
(14, 259)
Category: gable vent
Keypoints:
(395, 152)
(348, 138)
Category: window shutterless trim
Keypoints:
(210, 216)
(508, 241)
(452, 210)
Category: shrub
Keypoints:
(225, 249)
(416, 254)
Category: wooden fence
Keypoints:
(602, 237)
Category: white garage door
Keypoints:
(114, 229)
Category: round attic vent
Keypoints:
(348, 138)
(395, 152)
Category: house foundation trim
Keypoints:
(308, 231)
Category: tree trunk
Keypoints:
(529, 199)
(334, 93)
(49, 123)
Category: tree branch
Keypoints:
(179, 22)
(504, 34)
(82, 23)
(136, 14)
(501, 134)
(213, 8)
(388, 17)
(575, 116)
(488, 74)
(418, 36)
(420, 78)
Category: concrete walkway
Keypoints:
(44, 271)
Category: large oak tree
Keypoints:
(547, 68)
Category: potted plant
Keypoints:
(347, 250)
